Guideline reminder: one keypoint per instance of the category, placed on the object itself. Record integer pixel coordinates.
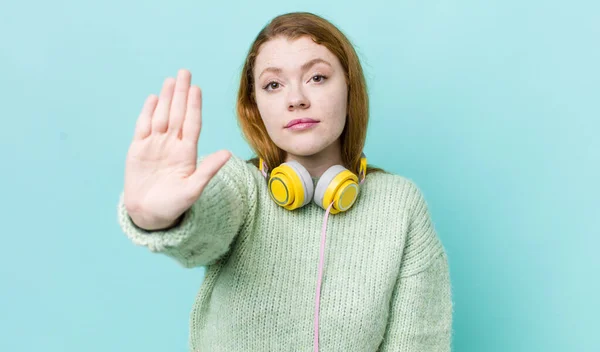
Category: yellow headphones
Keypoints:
(291, 186)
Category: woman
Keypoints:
(381, 282)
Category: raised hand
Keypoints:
(162, 178)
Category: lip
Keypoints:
(301, 123)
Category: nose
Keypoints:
(297, 99)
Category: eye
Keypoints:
(318, 78)
(272, 85)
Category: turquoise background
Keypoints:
(493, 108)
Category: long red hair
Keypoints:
(292, 26)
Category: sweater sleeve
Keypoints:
(421, 307)
(208, 228)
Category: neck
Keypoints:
(318, 163)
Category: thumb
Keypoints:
(206, 170)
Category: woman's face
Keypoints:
(300, 80)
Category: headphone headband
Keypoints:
(262, 166)
(362, 170)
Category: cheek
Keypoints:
(263, 110)
(268, 115)
(335, 106)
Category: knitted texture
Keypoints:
(386, 282)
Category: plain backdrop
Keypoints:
(491, 107)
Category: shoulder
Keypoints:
(404, 197)
(237, 175)
(238, 167)
(396, 187)
(403, 191)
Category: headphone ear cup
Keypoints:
(339, 186)
(307, 183)
(290, 185)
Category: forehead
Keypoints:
(291, 54)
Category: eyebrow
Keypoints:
(304, 67)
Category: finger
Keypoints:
(193, 116)
(160, 119)
(207, 169)
(143, 126)
(178, 104)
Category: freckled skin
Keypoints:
(293, 93)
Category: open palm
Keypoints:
(162, 178)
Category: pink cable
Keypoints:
(264, 171)
(321, 261)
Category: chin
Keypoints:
(301, 150)
(304, 147)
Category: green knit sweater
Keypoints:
(386, 282)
